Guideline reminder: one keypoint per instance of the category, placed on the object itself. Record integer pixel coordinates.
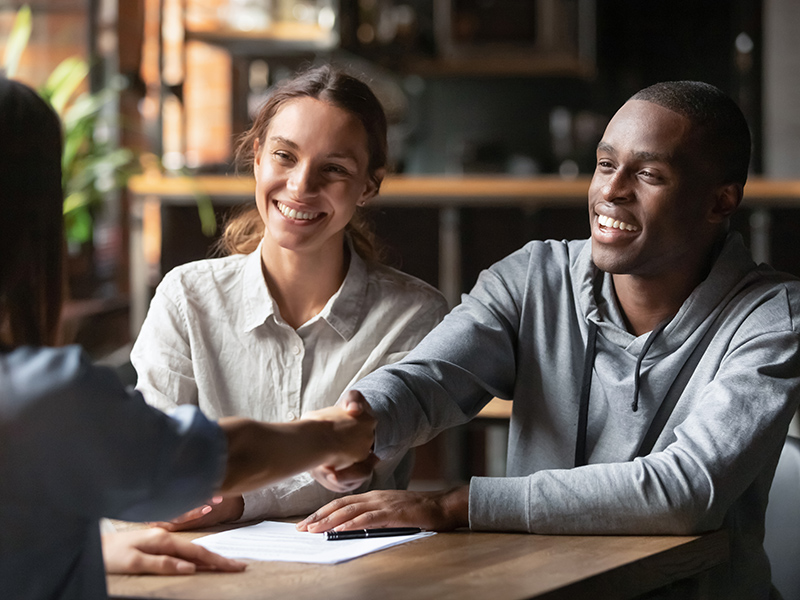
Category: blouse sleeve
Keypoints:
(162, 354)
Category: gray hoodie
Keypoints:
(727, 365)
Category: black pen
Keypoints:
(360, 534)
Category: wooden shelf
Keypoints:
(439, 190)
(280, 36)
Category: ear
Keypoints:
(726, 200)
(373, 186)
(256, 153)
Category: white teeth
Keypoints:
(291, 213)
(609, 222)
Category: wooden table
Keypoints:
(464, 565)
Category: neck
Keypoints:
(302, 284)
(646, 301)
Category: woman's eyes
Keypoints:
(335, 169)
(281, 155)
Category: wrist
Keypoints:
(455, 507)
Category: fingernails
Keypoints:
(206, 509)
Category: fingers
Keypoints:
(363, 511)
(347, 479)
(219, 510)
(435, 511)
(159, 552)
(160, 565)
(204, 559)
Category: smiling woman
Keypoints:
(354, 100)
(301, 308)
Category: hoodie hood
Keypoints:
(597, 300)
(678, 336)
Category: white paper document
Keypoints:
(271, 540)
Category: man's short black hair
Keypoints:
(722, 125)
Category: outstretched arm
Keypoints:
(262, 453)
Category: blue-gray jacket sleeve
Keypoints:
(83, 443)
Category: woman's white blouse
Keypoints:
(214, 337)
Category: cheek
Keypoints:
(262, 194)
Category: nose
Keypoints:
(615, 187)
(301, 181)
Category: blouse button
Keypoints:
(296, 350)
(291, 416)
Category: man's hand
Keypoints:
(434, 511)
(349, 478)
(352, 436)
(159, 552)
(218, 510)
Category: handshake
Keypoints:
(335, 442)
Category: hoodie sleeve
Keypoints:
(725, 448)
(454, 372)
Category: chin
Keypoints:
(611, 264)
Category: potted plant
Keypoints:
(92, 165)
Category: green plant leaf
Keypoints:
(63, 82)
(78, 225)
(85, 107)
(17, 41)
(74, 202)
(205, 210)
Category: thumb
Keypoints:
(354, 403)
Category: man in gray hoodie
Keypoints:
(654, 368)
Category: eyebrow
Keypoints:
(639, 155)
(282, 140)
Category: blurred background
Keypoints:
(495, 109)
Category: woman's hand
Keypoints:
(434, 511)
(218, 510)
(348, 479)
(159, 552)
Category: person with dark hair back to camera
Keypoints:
(75, 445)
(654, 368)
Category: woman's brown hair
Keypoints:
(330, 84)
(31, 218)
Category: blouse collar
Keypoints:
(342, 311)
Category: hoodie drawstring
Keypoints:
(637, 373)
(586, 386)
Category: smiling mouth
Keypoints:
(613, 224)
(291, 213)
